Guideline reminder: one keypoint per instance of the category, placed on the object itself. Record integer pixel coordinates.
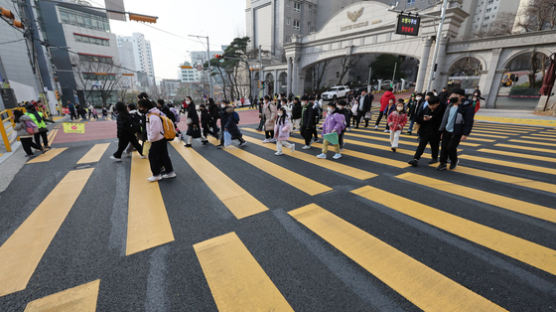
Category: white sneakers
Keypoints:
(154, 178)
(278, 153)
(115, 159)
(169, 175)
(272, 141)
(386, 131)
(293, 148)
(376, 127)
(323, 156)
(306, 147)
(266, 141)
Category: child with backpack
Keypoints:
(26, 129)
(126, 133)
(396, 121)
(334, 123)
(160, 129)
(230, 120)
(282, 130)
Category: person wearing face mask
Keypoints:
(214, 115)
(282, 130)
(429, 119)
(230, 120)
(411, 113)
(296, 113)
(193, 124)
(308, 119)
(269, 113)
(396, 121)
(384, 104)
(456, 126)
(476, 102)
(335, 122)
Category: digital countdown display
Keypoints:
(408, 25)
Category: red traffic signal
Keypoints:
(218, 56)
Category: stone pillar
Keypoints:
(276, 82)
(295, 77)
(289, 78)
(494, 79)
(423, 65)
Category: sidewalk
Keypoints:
(518, 117)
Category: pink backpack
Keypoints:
(31, 127)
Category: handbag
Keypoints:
(368, 115)
(146, 148)
(227, 138)
(31, 127)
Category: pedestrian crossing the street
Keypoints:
(370, 212)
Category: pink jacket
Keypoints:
(334, 121)
(282, 132)
(155, 132)
(397, 121)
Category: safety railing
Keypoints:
(7, 126)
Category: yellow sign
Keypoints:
(74, 127)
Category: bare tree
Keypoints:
(538, 15)
(97, 74)
(319, 70)
(348, 62)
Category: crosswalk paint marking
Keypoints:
(148, 225)
(82, 298)
(519, 155)
(324, 163)
(52, 135)
(504, 202)
(504, 178)
(294, 179)
(411, 137)
(510, 164)
(498, 132)
(504, 127)
(235, 278)
(537, 139)
(374, 137)
(94, 154)
(474, 134)
(421, 285)
(234, 197)
(523, 250)
(21, 252)
(542, 136)
(48, 156)
(527, 148)
(533, 142)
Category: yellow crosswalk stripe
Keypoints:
(519, 155)
(94, 154)
(510, 164)
(421, 285)
(515, 205)
(148, 225)
(294, 179)
(503, 127)
(542, 136)
(82, 298)
(324, 163)
(52, 135)
(537, 139)
(237, 282)
(234, 197)
(533, 142)
(525, 251)
(411, 137)
(374, 137)
(48, 156)
(527, 148)
(21, 252)
(485, 131)
(475, 134)
(499, 177)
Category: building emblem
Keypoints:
(354, 16)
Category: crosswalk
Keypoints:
(502, 198)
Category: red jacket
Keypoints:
(385, 98)
(397, 121)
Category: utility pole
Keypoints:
(261, 69)
(394, 75)
(369, 86)
(208, 60)
(437, 44)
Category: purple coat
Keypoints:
(335, 121)
(282, 132)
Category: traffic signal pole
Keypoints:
(437, 45)
(208, 60)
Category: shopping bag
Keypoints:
(146, 148)
(332, 138)
(227, 138)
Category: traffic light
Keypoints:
(142, 18)
(7, 14)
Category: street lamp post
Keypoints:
(369, 86)
(208, 60)
(437, 44)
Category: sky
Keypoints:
(221, 20)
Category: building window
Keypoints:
(288, 21)
(92, 58)
(296, 25)
(85, 20)
(297, 6)
(91, 39)
(99, 76)
(410, 2)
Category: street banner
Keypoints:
(70, 127)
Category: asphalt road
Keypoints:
(487, 239)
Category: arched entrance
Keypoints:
(283, 83)
(521, 81)
(465, 74)
(269, 84)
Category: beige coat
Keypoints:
(269, 112)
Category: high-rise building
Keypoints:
(189, 73)
(169, 87)
(142, 54)
(487, 15)
(127, 61)
(84, 51)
